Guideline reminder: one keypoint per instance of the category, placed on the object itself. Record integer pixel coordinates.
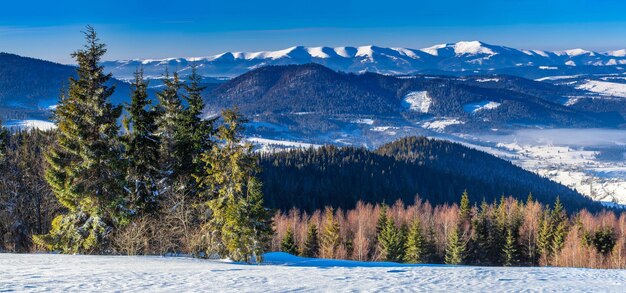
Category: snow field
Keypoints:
(281, 273)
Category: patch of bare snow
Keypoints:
(604, 88)
(417, 101)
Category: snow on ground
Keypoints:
(282, 273)
(557, 77)
(604, 88)
(440, 124)
(389, 130)
(479, 106)
(30, 124)
(417, 101)
(364, 121)
(270, 145)
(573, 167)
(488, 80)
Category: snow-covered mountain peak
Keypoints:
(617, 53)
(459, 56)
(577, 52)
(472, 47)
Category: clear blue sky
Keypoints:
(168, 28)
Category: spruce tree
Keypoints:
(330, 238)
(481, 245)
(239, 224)
(415, 244)
(382, 219)
(196, 133)
(141, 149)
(465, 210)
(559, 227)
(510, 251)
(311, 245)
(455, 248)
(545, 236)
(169, 128)
(85, 166)
(288, 244)
(390, 241)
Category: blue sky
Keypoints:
(156, 29)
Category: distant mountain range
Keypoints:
(455, 58)
(29, 87)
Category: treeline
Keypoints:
(507, 232)
(170, 182)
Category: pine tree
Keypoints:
(258, 220)
(415, 244)
(196, 133)
(85, 167)
(481, 245)
(330, 238)
(455, 248)
(169, 127)
(382, 219)
(509, 251)
(559, 227)
(311, 245)
(545, 235)
(141, 149)
(288, 244)
(465, 210)
(239, 223)
(390, 241)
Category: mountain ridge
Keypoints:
(455, 57)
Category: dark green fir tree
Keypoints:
(288, 244)
(312, 244)
(85, 165)
(415, 243)
(390, 241)
(141, 149)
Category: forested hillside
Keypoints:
(29, 87)
(314, 89)
(436, 170)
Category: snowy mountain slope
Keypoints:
(283, 273)
(464, 56)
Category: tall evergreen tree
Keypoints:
(141, 149)
(330, 238)
(196, 135)
(239, 223)
(545, 235)
(465, 210)
(380, 226)
(415, 243)
(455, 248)
(510, 252)
(169, 128)
(390, 241)
(311, 245)
(85, 166)
(559, 227)
(288, 244)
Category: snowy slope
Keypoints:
(417, 101)
(282, 272)
(30, 124)
(604, 88)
